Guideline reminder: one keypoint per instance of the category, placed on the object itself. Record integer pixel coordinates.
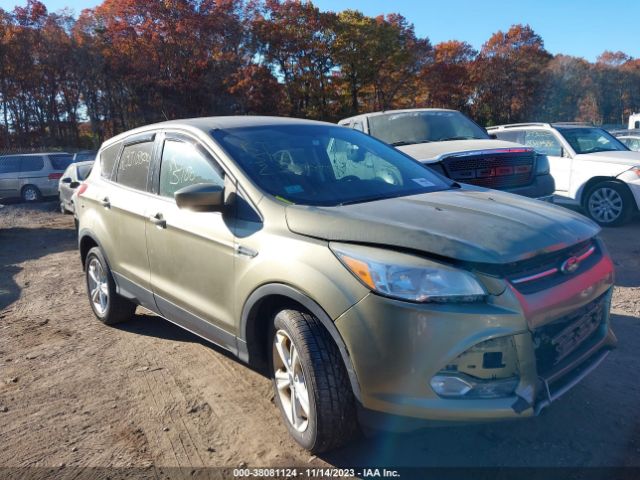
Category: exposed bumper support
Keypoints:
(551, 395)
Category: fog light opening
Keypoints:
(464, 386)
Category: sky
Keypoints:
(583, 28)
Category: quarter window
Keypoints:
(108, 160)
(133, 168)
(60, 161)
(183, 164)
(543, 142)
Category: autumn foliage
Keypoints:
(67, 81)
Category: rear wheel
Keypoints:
(30, 193)
(610, 204)
(107, 305)
(63, 209)
(310, 381)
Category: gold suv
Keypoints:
(372, 289)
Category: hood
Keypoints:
(630, 159)
(437, 150)
(468, 224)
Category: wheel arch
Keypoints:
(583, 191)
(86, 241)
(258, 310)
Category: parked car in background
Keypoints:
(85, 156)
(75, 174)
(453, 145)
(591, 167)
(631, 138)
(363, 282)
(32, 176)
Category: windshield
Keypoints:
(325, 165)
(407, 128)
(591, 140)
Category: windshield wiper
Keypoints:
(404, 142)
(458, 138)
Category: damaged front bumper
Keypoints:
(509, 358)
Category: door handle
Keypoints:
(246, 251)
(158, 220)
(105, 202)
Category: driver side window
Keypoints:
(183, 164)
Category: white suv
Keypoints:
(590, 166)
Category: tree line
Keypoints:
(67, 81)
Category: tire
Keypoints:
(63, 209)
(330, 420)
(610, 204)
(109, 307)
(30, 193)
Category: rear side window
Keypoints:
(510, 136)
(133, 168)
(182, 165)
(32, 164)
(61, 161)
(10, 164)
(108, 158)
(84, 171)
(543, 142)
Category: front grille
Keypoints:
(557, 340)
(501, 168)
(524, 275)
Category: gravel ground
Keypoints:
(75, 393)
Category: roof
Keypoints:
(559, 125)
(390, 112)
(206, 124)
(36, 154)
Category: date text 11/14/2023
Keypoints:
(315, 473)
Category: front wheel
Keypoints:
(107, 305)
(610, 204)
(311, 383)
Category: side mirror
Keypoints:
(201, 197)
(73, 184)
(66, 180)
(493, 136)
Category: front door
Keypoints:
(191, 254)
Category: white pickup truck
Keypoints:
(590, 167)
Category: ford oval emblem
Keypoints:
(570, 265)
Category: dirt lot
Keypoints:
(146, 393)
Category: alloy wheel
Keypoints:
(290, 381)
(605, 205)
(98, 286)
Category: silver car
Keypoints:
(32, 176)
(70, 181)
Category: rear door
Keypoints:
(123, 212)
(560, 161)
(9, 173)
(191, 254)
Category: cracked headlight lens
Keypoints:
(408, 277)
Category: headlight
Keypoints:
(408, 277)
(542, 165)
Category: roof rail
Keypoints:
(515, 125)
(625, 131)
(577, 124)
